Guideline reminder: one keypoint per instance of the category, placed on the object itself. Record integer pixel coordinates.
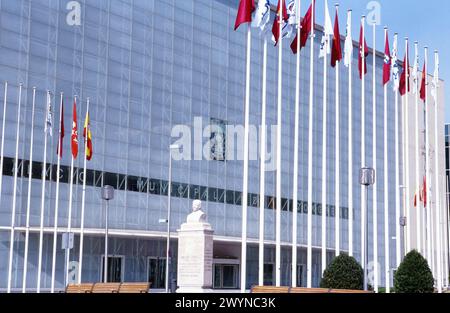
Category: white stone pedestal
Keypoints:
(195, 256)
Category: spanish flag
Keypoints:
(87, 130)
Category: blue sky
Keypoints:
(428, 22)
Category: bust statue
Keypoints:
(197, 215)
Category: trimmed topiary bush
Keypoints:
(344, 272)
(414, 275)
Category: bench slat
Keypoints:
(106, 288)
(79, 288)
(134, 288)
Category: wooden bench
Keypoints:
(269, 289)
(309, 290)
(106, 288)
(134, 287)
(79, 288)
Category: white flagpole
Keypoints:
(436, 174)
(296, 147)
(278, 180)
(338, 163)
(406, 152)
(69, 217)
(3, 139)
(245, 172)
(30, 176)
(363, 141)
(262, 175)
(324, 156)
(427, 163)
(83, 200)
(386, 185)
(350, 151)
(13, 213)
(417, 131)
(55, 227)
(44, 172)
(446, 229)
(374, 161)
(397, 169)
(310, 153)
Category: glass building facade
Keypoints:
(147, 66)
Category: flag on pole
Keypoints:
(423, 84)
(415, 71)
(362, 49)
(336, 55)
(244, 14)
(74, 131)
(61, 132)
(435, 81)
(348, 46)
(88, 136)
(49, 119)
(292, 10)
(395, 66)
(424, 191)
(261, 17)
(404, 78)
(276, 22)
(327, 32)
(387, 62)
(306, 29)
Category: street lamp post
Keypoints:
(169, 193)
(107, 194)
(366, 178)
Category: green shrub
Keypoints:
(414, 275)
(344, 272)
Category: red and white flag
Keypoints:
(74, 131)
(363, 49)
(306, 28)
(387, 62)
(336, 53)
(244, 14)
(276, 21)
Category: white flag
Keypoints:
(327, 32)
(292, 11)
(435, 82)
(49, 118)
(415, 71)
(395, 66)
(348, 48)
(262, 15)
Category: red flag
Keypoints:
(387, 62)
(404, 78)
(59, 150)
(336, 53)
(74, 131)
(244, 14)
(424, 192)
(305, 29)
(362, 46)
(423, 86)
(276, 21)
